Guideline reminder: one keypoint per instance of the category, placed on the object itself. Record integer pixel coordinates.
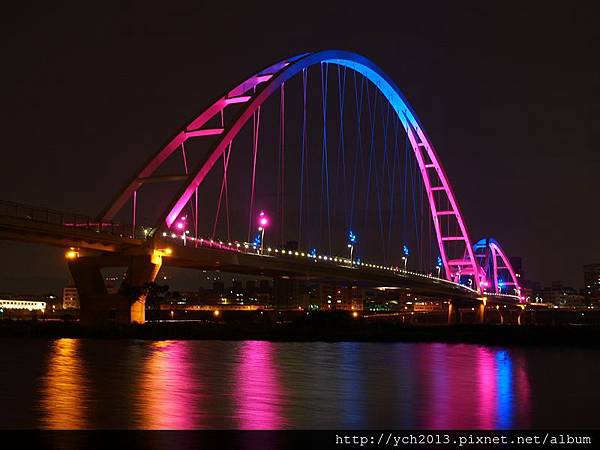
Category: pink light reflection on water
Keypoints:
(523, 392)
(435, 366)
(170, 392)
(486, 386)
(258, 395)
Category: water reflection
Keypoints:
(439, 414)
(65, 393)
(352, 402)
(522, 393)
(258, 393)
(504, 390)
(486, 383)
(169, 389)
(265, 385)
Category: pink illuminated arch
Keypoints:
(254, 91)
(495, 265)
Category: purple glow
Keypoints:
(486, 387)
(259, 393)
(263, 219)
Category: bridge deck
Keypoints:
(89, 236)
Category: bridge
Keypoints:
(340, 158)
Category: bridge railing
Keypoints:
(71, 220)
(250, 248)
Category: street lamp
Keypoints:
(181, 226)
(484, 285)
(405, 257)
(263, 223)
(352, 239)
(438, 266)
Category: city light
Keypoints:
(72, 254)
(352, 239)
(263, 223)
(405, 257)
(263, 220)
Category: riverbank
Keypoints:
(358, 331)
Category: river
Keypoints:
(136, 384)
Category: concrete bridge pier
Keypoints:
(452, 313)
(126, 306)
(456, 307)
(481, 312)
(520, 314)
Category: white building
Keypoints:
(22, 304)
(70, 298)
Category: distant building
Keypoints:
(218, 287)
(22, 302)
(591, 278)
(427, 306)
(70, 298)
(289, 293)
(560, 295)
(341, 297)
(112, 284)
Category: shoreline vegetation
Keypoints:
(583, 336)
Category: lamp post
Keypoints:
(181, 226)
(263, 223)
(405, 257)
(439, 266)
(352, 239)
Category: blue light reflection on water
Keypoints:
(504, 390)
(351, 402)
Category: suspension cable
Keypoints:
(256, 129)
(226, 155)
(359, 104)
(303, 155)
(281, 165)
(325, 156)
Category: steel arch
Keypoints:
(492, 259)
(270, 80)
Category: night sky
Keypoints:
(507, 91)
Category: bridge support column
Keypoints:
(126, 306)
(452, 312)
(520, 315)
(481, 312)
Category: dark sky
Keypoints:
(508, 92)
